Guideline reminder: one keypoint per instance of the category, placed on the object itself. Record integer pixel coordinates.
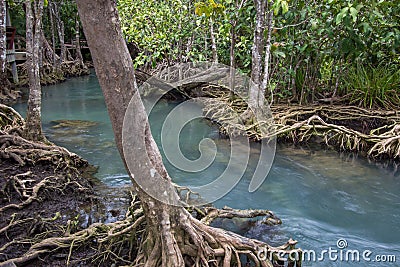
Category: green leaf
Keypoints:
(366, 27)
(285, 7)
(341, 15)
(354, 13)
(279, 54)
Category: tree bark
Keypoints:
(267, 56)
(79, 56)
(213, 41)
(232, 47)
(3, 40)
(48, 52)
(53, 37)
(256, 96)
(60, 32)
(115, 72)
(4, 84)
(33, 126)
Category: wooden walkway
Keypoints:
(10, 52)
(14, 55)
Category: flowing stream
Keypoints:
(321, 196)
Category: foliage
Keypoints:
(158, 28)
(371, 86)
(314, 43)
(209, 9)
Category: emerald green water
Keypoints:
(320, 196)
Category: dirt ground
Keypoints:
(67, 202)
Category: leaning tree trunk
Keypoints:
(256, 96)
(173, 237)
(33, 126)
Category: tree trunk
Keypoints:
(256, 96)
(77, 43)
(33, 127)
(4, 83)
(232, 58)
(53, 37)
(49, 55)
(267, 55)
(213, 41)
(3, 39)
(173, 237)
(60, 32)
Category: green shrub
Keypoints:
(370, 86)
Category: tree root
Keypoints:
(212, 213)
(10, 119)
(54, 74)
(194, 243)
(178, 241)
(198, 244)
(373, 132)
(28, 152)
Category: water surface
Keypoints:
(320, 196)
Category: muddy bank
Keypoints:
(40, 201)
(47, 192)
(53, 75)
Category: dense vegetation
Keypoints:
(297, 52)
(319, 49)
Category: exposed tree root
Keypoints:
(197, 244)
(212, 213)
(13, 146)
(373, 132)
(54, 74)
(9, 118)
(124, 242)
(180, 241)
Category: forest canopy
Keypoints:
(317, 47)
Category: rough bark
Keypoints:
(267, 56)
(232, 62)
(53, 37)
(256, 96)
(33, 127)
(48, 52)
(4, 83)
(60, 32)
(3, 19)
(116, 76)
(233, 44)
(79, 56)
(213, 41)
